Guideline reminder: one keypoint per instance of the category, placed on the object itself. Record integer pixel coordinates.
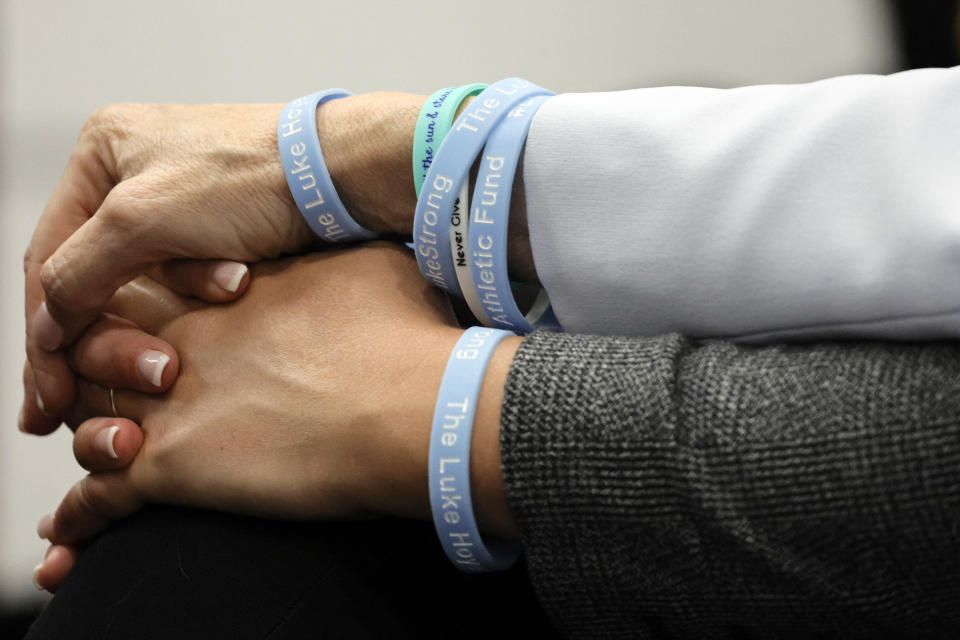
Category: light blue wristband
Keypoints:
(489, 218)
(449, 473)
(431, 223)
(307, 174)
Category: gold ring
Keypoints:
(113, 404)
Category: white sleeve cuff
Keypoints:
(816, 210)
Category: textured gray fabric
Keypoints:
(669, 488)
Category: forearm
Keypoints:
(758, 213)
(700, 486)
(368, 146)
(367, 141)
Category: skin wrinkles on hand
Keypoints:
(181, 192)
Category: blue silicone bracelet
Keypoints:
(307, 174)
(449, 473)
(450, 167)
(436, 118)
(433, 124)
(489, 217)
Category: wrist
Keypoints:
(367, 142)
(402, 453)
(486, 477)
(519, 254)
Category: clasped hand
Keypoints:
(187, 193)
(309, 397)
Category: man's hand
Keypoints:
(177, 190)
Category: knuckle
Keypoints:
(105, 132)
(55, 284)
(98, 128)
(122, 212)
(117, 208)
(104, 119)
(133, 208)
(67, 295)
(125, 136)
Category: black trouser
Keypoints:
(182, 573)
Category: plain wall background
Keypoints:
(62, 60)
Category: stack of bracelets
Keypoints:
(465, 255)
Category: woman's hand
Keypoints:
(328, 367)
(311, 397)
(152, 185)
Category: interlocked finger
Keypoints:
(210, 280)
(94, 400)
(116, 353)
(106, 444)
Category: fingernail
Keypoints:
(36, 570)
(104, 442)
(20, 425)
(45, 527)
(41, 406)
(46, 330)
(228, 275)
(150, 365)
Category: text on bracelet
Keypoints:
(452, 474)
(307, 178)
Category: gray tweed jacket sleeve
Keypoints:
(670, 488)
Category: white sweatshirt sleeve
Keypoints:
(829, 209)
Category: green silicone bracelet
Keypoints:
(436, 118)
